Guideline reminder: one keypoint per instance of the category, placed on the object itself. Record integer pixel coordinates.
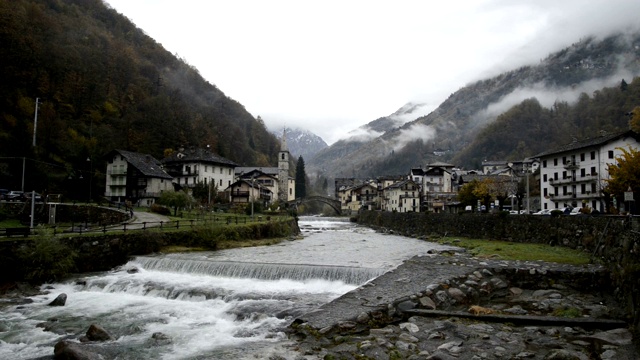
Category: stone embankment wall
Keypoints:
(612, 241)
(104, 252)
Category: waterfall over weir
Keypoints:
(262, 271)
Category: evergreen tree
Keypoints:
(301, 179)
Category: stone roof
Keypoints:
(197, 155)
(146, 164)
(240, 170)
(590, 142)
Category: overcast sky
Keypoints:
(331, 66)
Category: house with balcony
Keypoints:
(265, 177)
(191, 166)
(575, 174)
(402, 196)
(135, 177)
(355, 198)
(247, 191)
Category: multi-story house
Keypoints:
(402, 196)
(265, 178)
(575, 174)
(364, 196)
(192, 166)
(247, 191)
(135, 177)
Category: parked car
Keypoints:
(543, 212)
(3, 193)
(576, 211)
(14, 195)
(27, 196)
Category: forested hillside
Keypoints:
(529, 128)
(103, 84)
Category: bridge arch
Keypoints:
(333, 203)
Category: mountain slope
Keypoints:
(444, 133)
(303, 143)
(103, 84)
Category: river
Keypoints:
(209, 305)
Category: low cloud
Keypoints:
(363, 134)
(547, 96)
(412, 133)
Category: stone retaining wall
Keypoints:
(612, 241)
(104, 252)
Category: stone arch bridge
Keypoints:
(333, 203)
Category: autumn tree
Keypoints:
(624, 174)
(175, 199)
(634, 119)
(467, 195)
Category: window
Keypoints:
(282, 156)
(610, 154)
(555, 162)
(582, 157)
(206, 168)
(220, 182)
(544, 163)
(564, 159)
(583, 172)
(564, 190)
(545, 192)
(564, 174)
(593, 170)
(555, 176)
(229, 171)
(544, 178)
(593, 155)
(583, 188)
(221, 170)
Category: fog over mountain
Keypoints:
(392, 145)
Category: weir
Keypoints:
(262, 271)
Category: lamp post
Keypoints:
(90, 177)
(253, 180)
(35, 122)
(526, 169)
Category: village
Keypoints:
(569, 178)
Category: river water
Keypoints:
(210, 305)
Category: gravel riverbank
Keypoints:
(452, 306)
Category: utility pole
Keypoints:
(35, 122)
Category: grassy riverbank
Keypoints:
(519, 251)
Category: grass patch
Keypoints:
(519, 251)
(567, 312)
(10, 223)
(180, 249)
(225, 244)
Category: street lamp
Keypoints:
(90, 176)
(253, 180)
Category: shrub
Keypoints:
(46, 258)
(159, 209)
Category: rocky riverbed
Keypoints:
(452, 306)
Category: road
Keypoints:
(151, 219)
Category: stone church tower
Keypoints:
(283, 169)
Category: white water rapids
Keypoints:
(212, 305)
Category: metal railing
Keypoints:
(171, 225)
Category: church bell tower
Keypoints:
(283, 168)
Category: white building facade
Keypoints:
(575, 174)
